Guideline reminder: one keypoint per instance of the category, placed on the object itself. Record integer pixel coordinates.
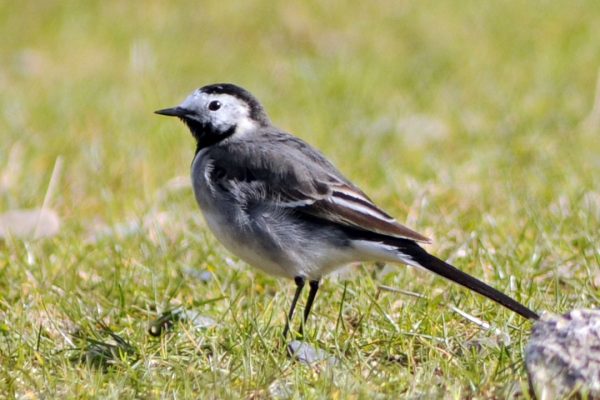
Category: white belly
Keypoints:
(225, 232)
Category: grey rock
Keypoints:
(281, 389)
(199, 274)
(29, 224)
(167, 319)
(307, 354)
(563, 355)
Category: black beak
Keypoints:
(173, 112)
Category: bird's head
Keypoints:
(216, 112)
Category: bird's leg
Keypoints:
(314, 287)
(299, 286)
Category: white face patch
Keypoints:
(222, 111)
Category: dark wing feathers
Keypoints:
(355, 218)
(286, 171)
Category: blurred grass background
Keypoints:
(477, 123)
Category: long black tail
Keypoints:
(434, 264)
(411, 250)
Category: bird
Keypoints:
(280, 205)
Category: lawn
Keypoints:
(475, 123)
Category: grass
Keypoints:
(476, 123)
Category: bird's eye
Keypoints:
(214, 105)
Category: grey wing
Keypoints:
(285, 172)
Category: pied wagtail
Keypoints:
(281, 206)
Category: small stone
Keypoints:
(280, 389)
(29, 224)
(563, 355)
(307, 354)
(200, 274)
(167, 319)
(198, 320)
